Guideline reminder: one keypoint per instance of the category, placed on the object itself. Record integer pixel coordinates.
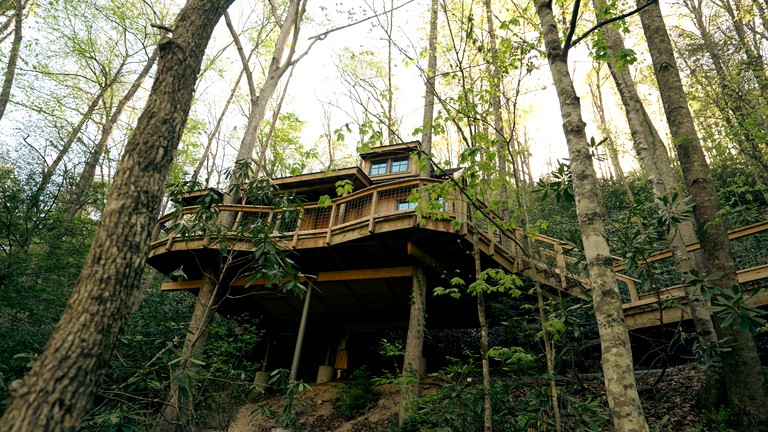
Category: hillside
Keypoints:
(669, 406)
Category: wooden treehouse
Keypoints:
(363, 255)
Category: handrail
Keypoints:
(733, 234)
(364, 208)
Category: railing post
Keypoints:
(492, 240)
(298, 228)
(330, 225)
(633, 297)
(560, 260)
(171, 235)
(374, 205)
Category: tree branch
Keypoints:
(325, 34)
(608, 21)
(572, 27)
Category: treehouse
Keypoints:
(366, 239)
(361, 253)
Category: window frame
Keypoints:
(401, 162)
(377, 164)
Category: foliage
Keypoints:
(356, 394)
(291, 398)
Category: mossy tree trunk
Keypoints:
(741, 364)
(623, 399)
(57, 392)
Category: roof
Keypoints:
(392, 149)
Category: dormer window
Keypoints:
(389, 166)
(378, 167)
(400, 164)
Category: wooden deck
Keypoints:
(381, 209)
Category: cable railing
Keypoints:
(360, 213)
(365, 207)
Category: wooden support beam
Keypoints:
(300, 336)
(181, 285)
(423, 257)
(347, 275)
(239, 282)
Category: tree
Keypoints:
(623, 399)
(741, 364)
(55, 394)
(655, 162)
(13, 56)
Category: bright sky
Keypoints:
(315, 80)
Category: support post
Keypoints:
(414, 344)
(300, 337)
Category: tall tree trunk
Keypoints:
(13, 57)
(618, 370)
(487, 408)
(56, 393)
(655, 163)
(210, 294)
(390, 94)
(743, 372)
(498, 122)
(50, 171)
(429, 90)
(613, 152)
(742, 112)
(289, 32)
(178, 408)
(79, 195)
(414, 344)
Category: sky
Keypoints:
(316, 81)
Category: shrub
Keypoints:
(356, 394)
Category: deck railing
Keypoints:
(390, 201)
(364, 208)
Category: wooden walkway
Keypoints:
(384, 208)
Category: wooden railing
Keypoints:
(361, 212)
(367, 206)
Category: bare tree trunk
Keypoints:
(414, 344)
(498, 123)
(549, 353)
(487, 408)
(262, 159)
(429, 89)
(390, 93)
(178, 409)
(613, 152)
(289, 32)
(13, 57)
(56, 393)
(655, 163)
(78, 198)
(50, 171)
(618, 370)
(742, 368)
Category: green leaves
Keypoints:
(559, 184)
(731, 306)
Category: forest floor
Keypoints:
(670, 405)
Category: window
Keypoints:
(399, 165)
(406, 205)
(378, 167)
(389, 166)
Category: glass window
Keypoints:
(378, 167)
(400, 165)
(406, 205)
